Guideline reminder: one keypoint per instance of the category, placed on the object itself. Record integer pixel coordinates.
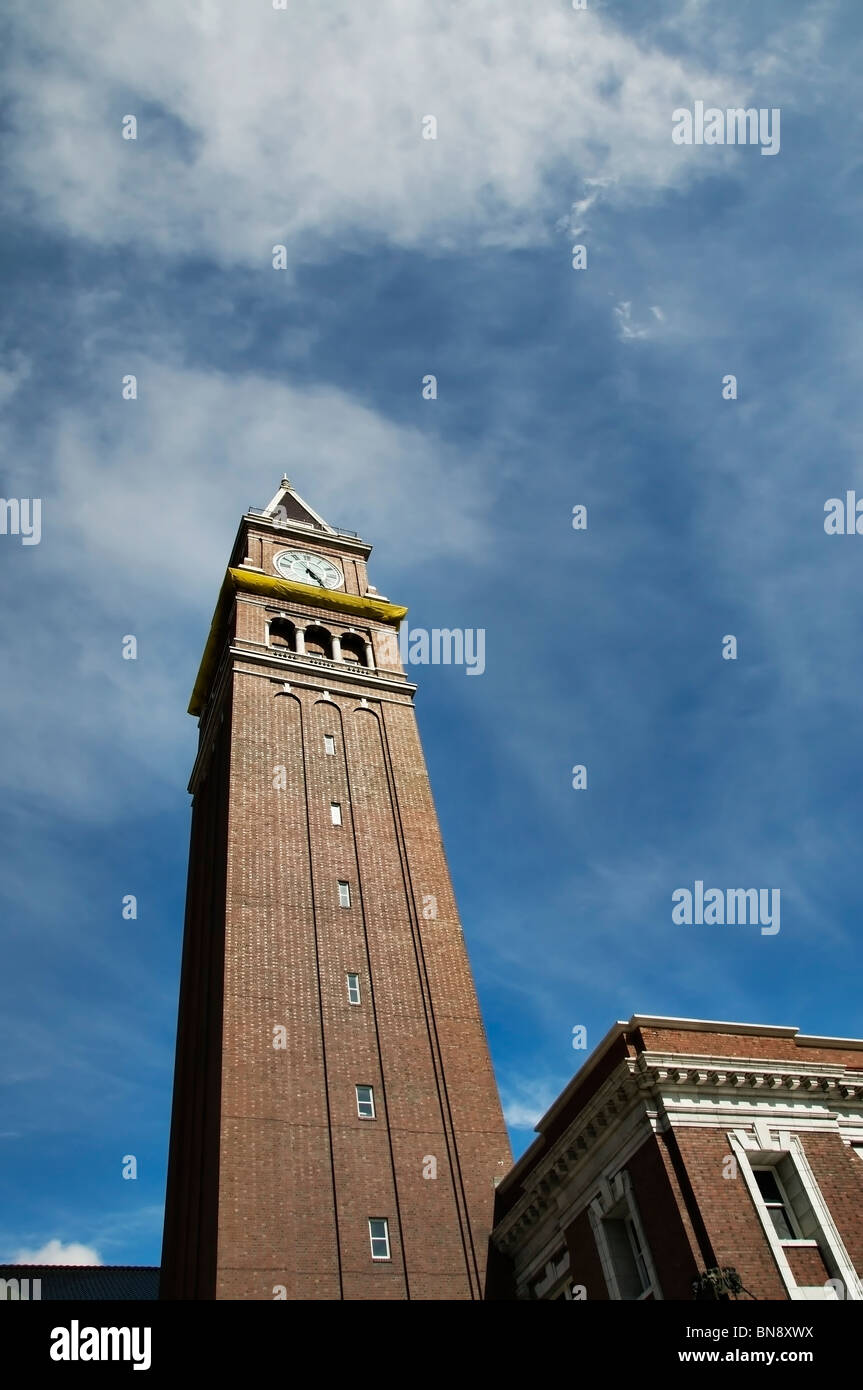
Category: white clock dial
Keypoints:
(307, 568)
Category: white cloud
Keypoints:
(141, 501)
(526, 1101)
(303, 126)
(582, 206)
(627, 329)
(13, 372)
(155, 486)
(521, 1116)
(54, 1252)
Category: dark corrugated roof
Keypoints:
(96, 1282)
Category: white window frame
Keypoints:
(555, 1280)
(330, 745)
(787, 1209)
(367, 1100)
(353, 980)
(759, 1152)
(336, 812)
(385, 1237)
(614, 1193)
(344, 893)
(634, 1237)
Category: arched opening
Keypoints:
(319, 642)
(283, 635)
(353, 649)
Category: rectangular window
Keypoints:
(353, 988)
(379, 1235)
(627, 1258)
(554, 1281)
(335, 813)
(638, 1255)
(344, 894)
(365, 1103)
(776, 1203)
(329, 744)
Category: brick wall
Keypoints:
(807, 1265)
(664, 1217)
(732, 1223)
(702, 1043)
(584, 1263)
(298, 1172)
(838, 1172)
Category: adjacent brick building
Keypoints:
(683, 1146)
(336, 1129)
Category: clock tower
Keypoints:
(336, 1128)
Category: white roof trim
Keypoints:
(689, 1025)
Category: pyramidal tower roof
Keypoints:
(288, 505)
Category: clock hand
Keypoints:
(316, 577)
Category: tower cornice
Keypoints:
(310, 595)
(331, 539)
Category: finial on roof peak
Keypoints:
(286, 482)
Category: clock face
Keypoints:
(306, 568)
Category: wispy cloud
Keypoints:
(55, 1252)
(525, 1100)
(603, 387)
(317, 132)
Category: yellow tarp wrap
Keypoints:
(246, 581)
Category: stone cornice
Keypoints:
(377, 610)
(652, 1076)
(292, 665)
(294, 530)
(663, 1072)
(605, 1109)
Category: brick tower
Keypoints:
(336, 1128)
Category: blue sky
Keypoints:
(555, 387)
